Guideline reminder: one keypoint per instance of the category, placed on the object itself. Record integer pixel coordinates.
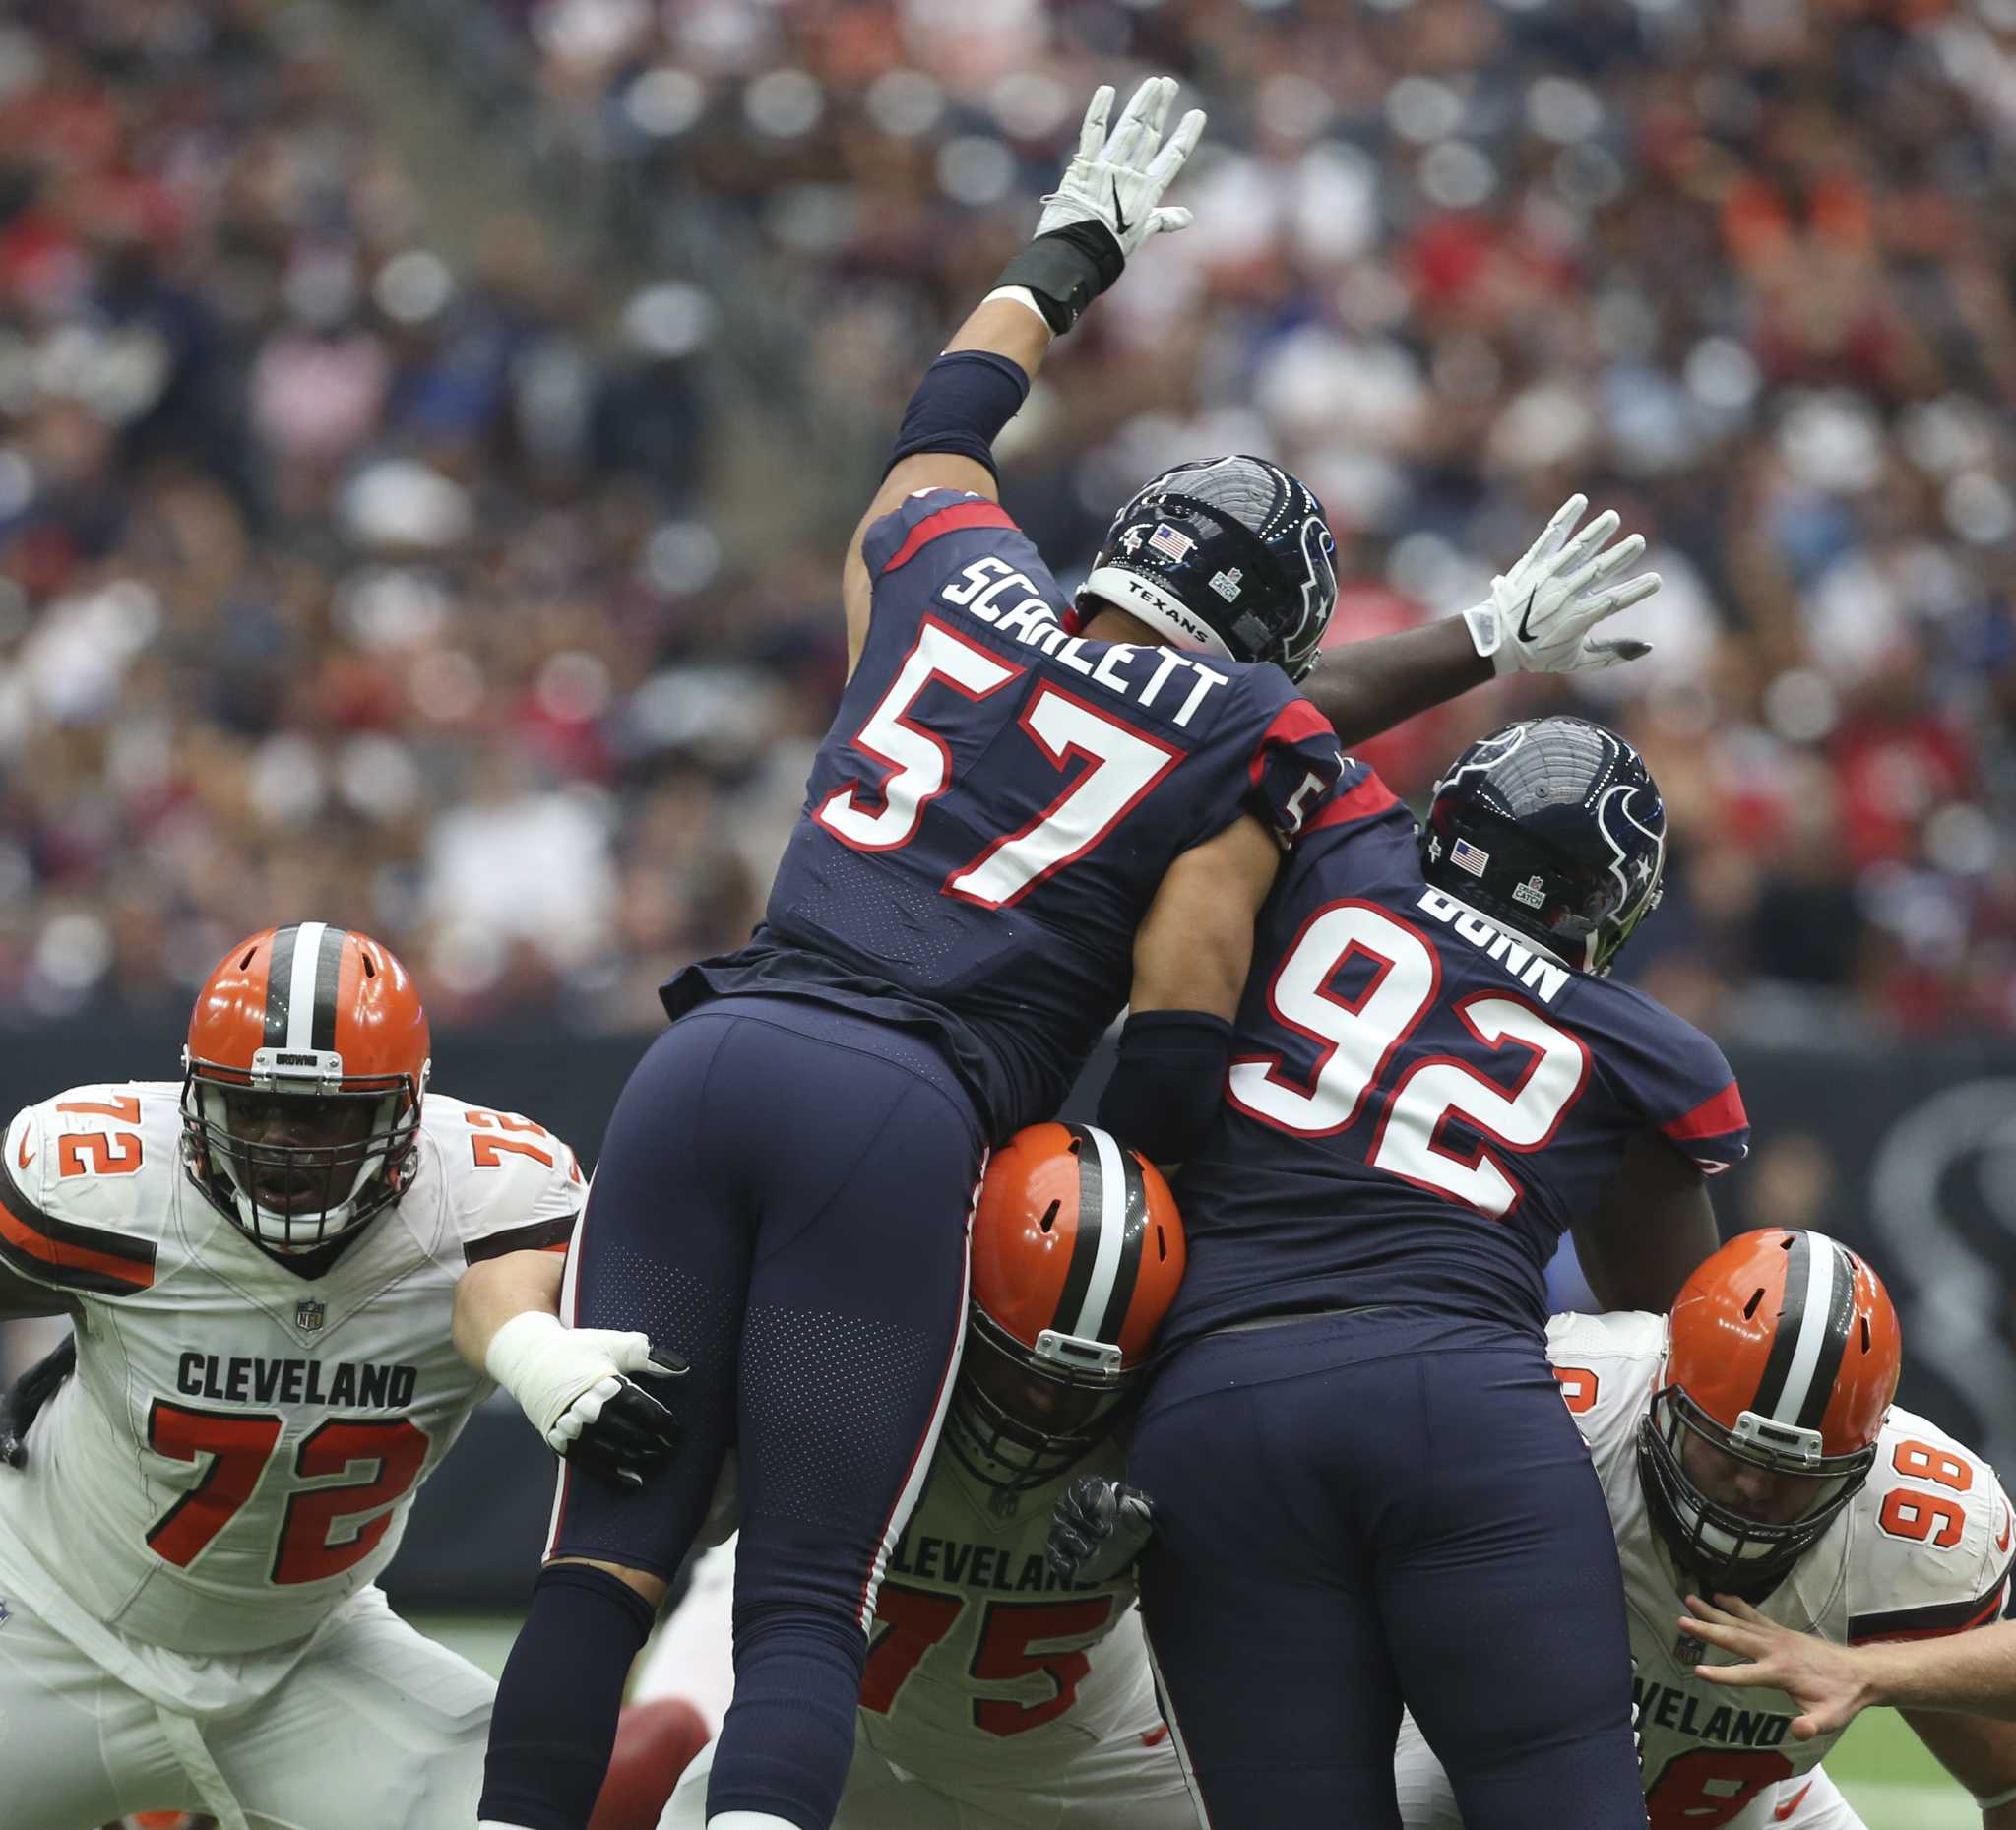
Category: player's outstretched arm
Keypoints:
(1969, 1673)
(1191, 955)
(1652, 1228)
(1958, 1692)
(577, 1386)
(1537, 619)
(1106, 205)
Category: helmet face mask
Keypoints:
(302, 1167)
(1231, 558)
(1017, 1422)
(1730, 1550)
(1782, 1357)
(302, 1084)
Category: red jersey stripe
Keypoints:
(1360, 802)
(948, 520)
(1296, 720)
(1715, 1118)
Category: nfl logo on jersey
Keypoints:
(308, 1315)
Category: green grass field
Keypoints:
(1880, 1765)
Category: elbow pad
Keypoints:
(1165, 1091)
(961, 406)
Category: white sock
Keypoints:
(739, 1820)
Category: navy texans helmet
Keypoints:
(1231, 557)
(1553, 827)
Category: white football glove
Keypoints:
(574, 1385)
(1118, 179)
(1540, 613)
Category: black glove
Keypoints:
(631, 1434)
(1099, 1528)
(23, 1402)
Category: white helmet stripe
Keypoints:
(1112, 1228)
(1821, 1268)
(301, 987)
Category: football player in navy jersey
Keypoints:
(1367, 1488)
(1026, 814)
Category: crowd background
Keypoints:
(439, 534)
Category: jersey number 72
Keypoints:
(239, 1444)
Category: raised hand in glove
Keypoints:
(576, 1387)
(1540, 613)
(1107, 202)
(1099, 1528)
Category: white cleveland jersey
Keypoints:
(1925, 1548)
(979, 1652)
(238, 1450)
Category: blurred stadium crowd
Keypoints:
(341, 577)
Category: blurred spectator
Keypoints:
(335, 580)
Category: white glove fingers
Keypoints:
(1606, 564)
(1161, 173)
(1557, 531)
(1589, 541)
(629, 1353)
(1092, 137)
(1622, 596)
(1168, 222)
(1134, 139)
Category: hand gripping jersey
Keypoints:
(238, 1449)
(1419, 1104)
(995, 805)
(1925, 1548)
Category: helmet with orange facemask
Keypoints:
(1077, 1252)
(301, 1086)
(1782, 1352)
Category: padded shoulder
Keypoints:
(510, 1184)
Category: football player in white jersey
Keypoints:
(996, 1692)
(261, 1262)
(1748, 1447)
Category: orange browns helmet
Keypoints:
(1077, 1252)
(301, 1085)
(1783, 1349)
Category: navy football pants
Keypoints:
(783, 1197)
(1356, 1511)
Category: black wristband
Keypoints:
(1066, 270)
(1163, 1095)
(961, 406)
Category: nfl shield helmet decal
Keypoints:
(309, 1313)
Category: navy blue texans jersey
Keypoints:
(995, 805)
(1419, 1104)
